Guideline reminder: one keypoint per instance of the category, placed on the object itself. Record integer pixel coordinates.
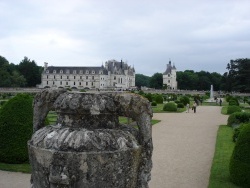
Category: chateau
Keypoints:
(169, 77)
(114, 75)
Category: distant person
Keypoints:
(187, 107)
(220, 102)
(194, 107)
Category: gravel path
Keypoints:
(183, 150)
(184, 146)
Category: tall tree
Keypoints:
(156, 81)
(239, 74)
(141, 80)
(30, 71)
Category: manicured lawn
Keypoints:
(219, 174)
(25, 168)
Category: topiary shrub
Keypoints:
(180, 105)
(159, 99)
(238, 117)
(240, 161)
(185, 100)
(237, 131)
(233, 102)
(232, 109)
(16, 118)
(153, 103)
(170, 106)
(149, 97)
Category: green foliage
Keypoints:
(158, 99)
(219, 174)
(233, 102)
(141, 92)
(240, 160)
(237, 131)
(149, 97)
(238, 77)
(170, 106)
(185, 100)
(153, 103)
(156, 81)
(237, 118)
(141, 80)
(180, 105)
(232, 109)
(16, 118)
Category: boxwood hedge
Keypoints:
(16, 118)
(240, 161)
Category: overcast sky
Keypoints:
(195, 34)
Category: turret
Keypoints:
(45, 65)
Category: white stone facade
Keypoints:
(169, 77)
(114, 75)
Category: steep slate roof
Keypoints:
(79, 70)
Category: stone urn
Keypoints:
(87, 147)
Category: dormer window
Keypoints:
(61, 71)
(54, 71)
(168, 75)
(81, 71)
(47, 71)
(74, 71)
(67, 71)
(93, 72)
(87, 72)
(101, 72)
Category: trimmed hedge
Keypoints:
(233, 102)
(16, 118)
(180, 105)
(240, 161)
(170, 106)
(232, 109)
(153, 103)
(158, 99)
(185, 100)
(237, 131)
(238, 117)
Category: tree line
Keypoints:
(25, 74)
(237, 78)
(28, 74)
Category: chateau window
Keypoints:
(80, 83)
(87, 77)
(168, 81)
(47, 82)
(87, 71)
(92, 83)
(74, 83)
(61, 71)
(101, 72)
(67, 77)
(47, 71)
(93, 72)
(54, 77)
(66, 83)
(168, 75)
(60, 82)
(114, 77)
(53, 82)
(54, 71)
(74, 77)
(86, 83)
(121, 80)
(67, 71)
(93, 77)
(74, 71)
(47, 76)
(80, 77)
(61, 77)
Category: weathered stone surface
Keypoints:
(87, 147)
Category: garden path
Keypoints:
(184, 146)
